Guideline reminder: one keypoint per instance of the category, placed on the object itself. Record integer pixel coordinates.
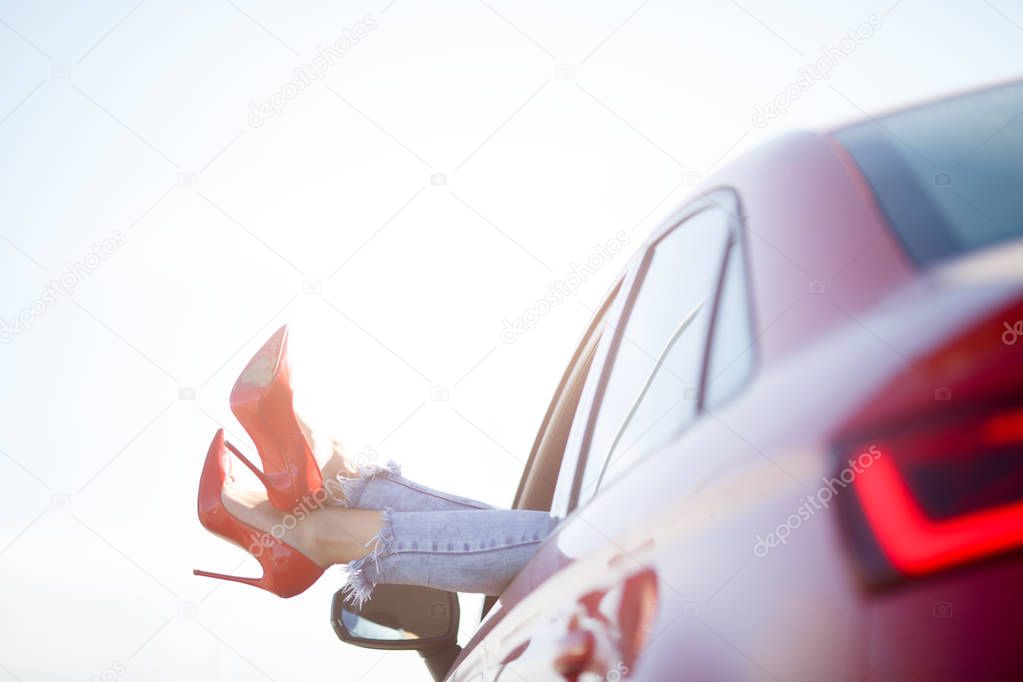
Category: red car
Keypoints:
(790, 444)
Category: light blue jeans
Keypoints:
(435, 539)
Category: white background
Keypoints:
(134, 117)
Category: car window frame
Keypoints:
(584, 354)
(605, 325)
(738, 241)
(723, 199)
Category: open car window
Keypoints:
(545, 483)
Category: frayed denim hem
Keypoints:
(360, 586)
(346, 490)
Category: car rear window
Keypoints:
(948, 175)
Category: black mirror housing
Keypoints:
(403, 617)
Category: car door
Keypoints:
(642, 387)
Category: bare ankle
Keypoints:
(344, 535)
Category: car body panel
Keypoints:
(693, 519)
(679, 531)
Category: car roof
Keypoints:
(809, 218)
(917, 104)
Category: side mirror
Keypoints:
(403, 617)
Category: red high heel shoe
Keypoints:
(262, 401)
(286, 571)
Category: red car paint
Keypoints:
(658, 576)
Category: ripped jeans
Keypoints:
(435, 539)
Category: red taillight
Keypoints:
(947, 492)
(1005, 428)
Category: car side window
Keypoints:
(730, 357)
(554, 458)
(655, 365)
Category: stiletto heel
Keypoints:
(252, 467)
(262, 400)
(286, 571)
(256, 582)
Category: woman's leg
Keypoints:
(372, 486)
(429, 537)
(422, 536)
(383, 487)
(328, 536)
(476, 550)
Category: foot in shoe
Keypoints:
(297, 459)
(315, 539)
(328, 452)
(327, 536)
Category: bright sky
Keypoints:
(426, 186)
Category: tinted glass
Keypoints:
(656, 365)
(948, 175)
(730, 358)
